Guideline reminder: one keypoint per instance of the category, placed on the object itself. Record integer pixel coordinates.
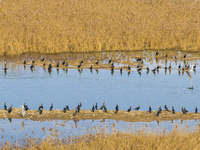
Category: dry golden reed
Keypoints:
(139, 140)
(55, 26)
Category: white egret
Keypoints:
(23, 111)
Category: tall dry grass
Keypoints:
(176, 139)
(54, 26)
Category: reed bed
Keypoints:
(55, 26)
(101, 138)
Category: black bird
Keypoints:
(112, 69)
(57, 64)
(160, 110)
(157, 53)
(154, 70)
(185, 110)
(40, 110)
(24, 62)
(97, 62)
(166, 55)
(170, 66)
(74, 114)
(196, 109)
(139, 69)
(78, 109)
(147, 68)
(185, 56)
(42, 59)
(129, 68)
(92, 108)
(90, 67)
(150, 109)
(67, 107)
(10, 109)
(129, 109)
(165, 68)
(79, 65)
(166, 109)
(51, 108)
(40, 107)
(105, 109)
(102, 107)
(96, 106)
(5, 107)
(121, 70)
(179, 67)
(32, 66)
(158, 113)
(116, 108)
(64, 109)
(33, 62)
(109, 61)
(63, 62)
(82, 61)
(137, 108)
(44, 64)
(173, 110)
(80, 104)
(26, 107)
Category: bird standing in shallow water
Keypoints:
(5, 107)
(10, 109)
(51, 108)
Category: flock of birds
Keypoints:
(95, 107)
(186, 67)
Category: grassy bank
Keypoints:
(103, 139)
(56, 26)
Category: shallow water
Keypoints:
(15, 129)
(71, 87)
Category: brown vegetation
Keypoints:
(57, 26)
(102, 139)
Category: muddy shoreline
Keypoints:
(122, 115)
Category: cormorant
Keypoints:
(5, 107)
(90, 67)
(33, 62)
(102, 107)
(185, 56)
(42, 59)
(26, 107)
(40, 107)
(57, 64)
(173, 110)
(44, 64)
(129, 109)
(185, 110)
(150, 109)
(166, 109)
(116, 108)
(10, 109)
(165, 68)
(96, 106)
(158, 113)
(191, 87)
(67, 107)
(179, 67)
(194, 67)
(97, 62)
(24, 62)
(109, 61)
(160, 110)
(105, 109)
(154, 70)
(166, 55)
(32, 66)
(196, 109)
(64, 109)
(170, 66)
(129, 68)
(63, 62)
(139, 69)
(157, 53)
(92, 108)
(40, 110)
(147, 68)
(137, 108)
(79, 65)
(81, 61)
(51, 108)
(121, 70)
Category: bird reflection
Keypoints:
(79, 71)
(22, 125)
(24, 67)
(97, 71)
(182, 73)
(189, 75)
(91, 71)
(49, 70)
(10, 119)
(165, 72)
(170, 71)
(158, 122)
(179, 72)
(147, 72)
(66, 70)
(112, 72)
(57, 71)
(129, 73)
(139, 73)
